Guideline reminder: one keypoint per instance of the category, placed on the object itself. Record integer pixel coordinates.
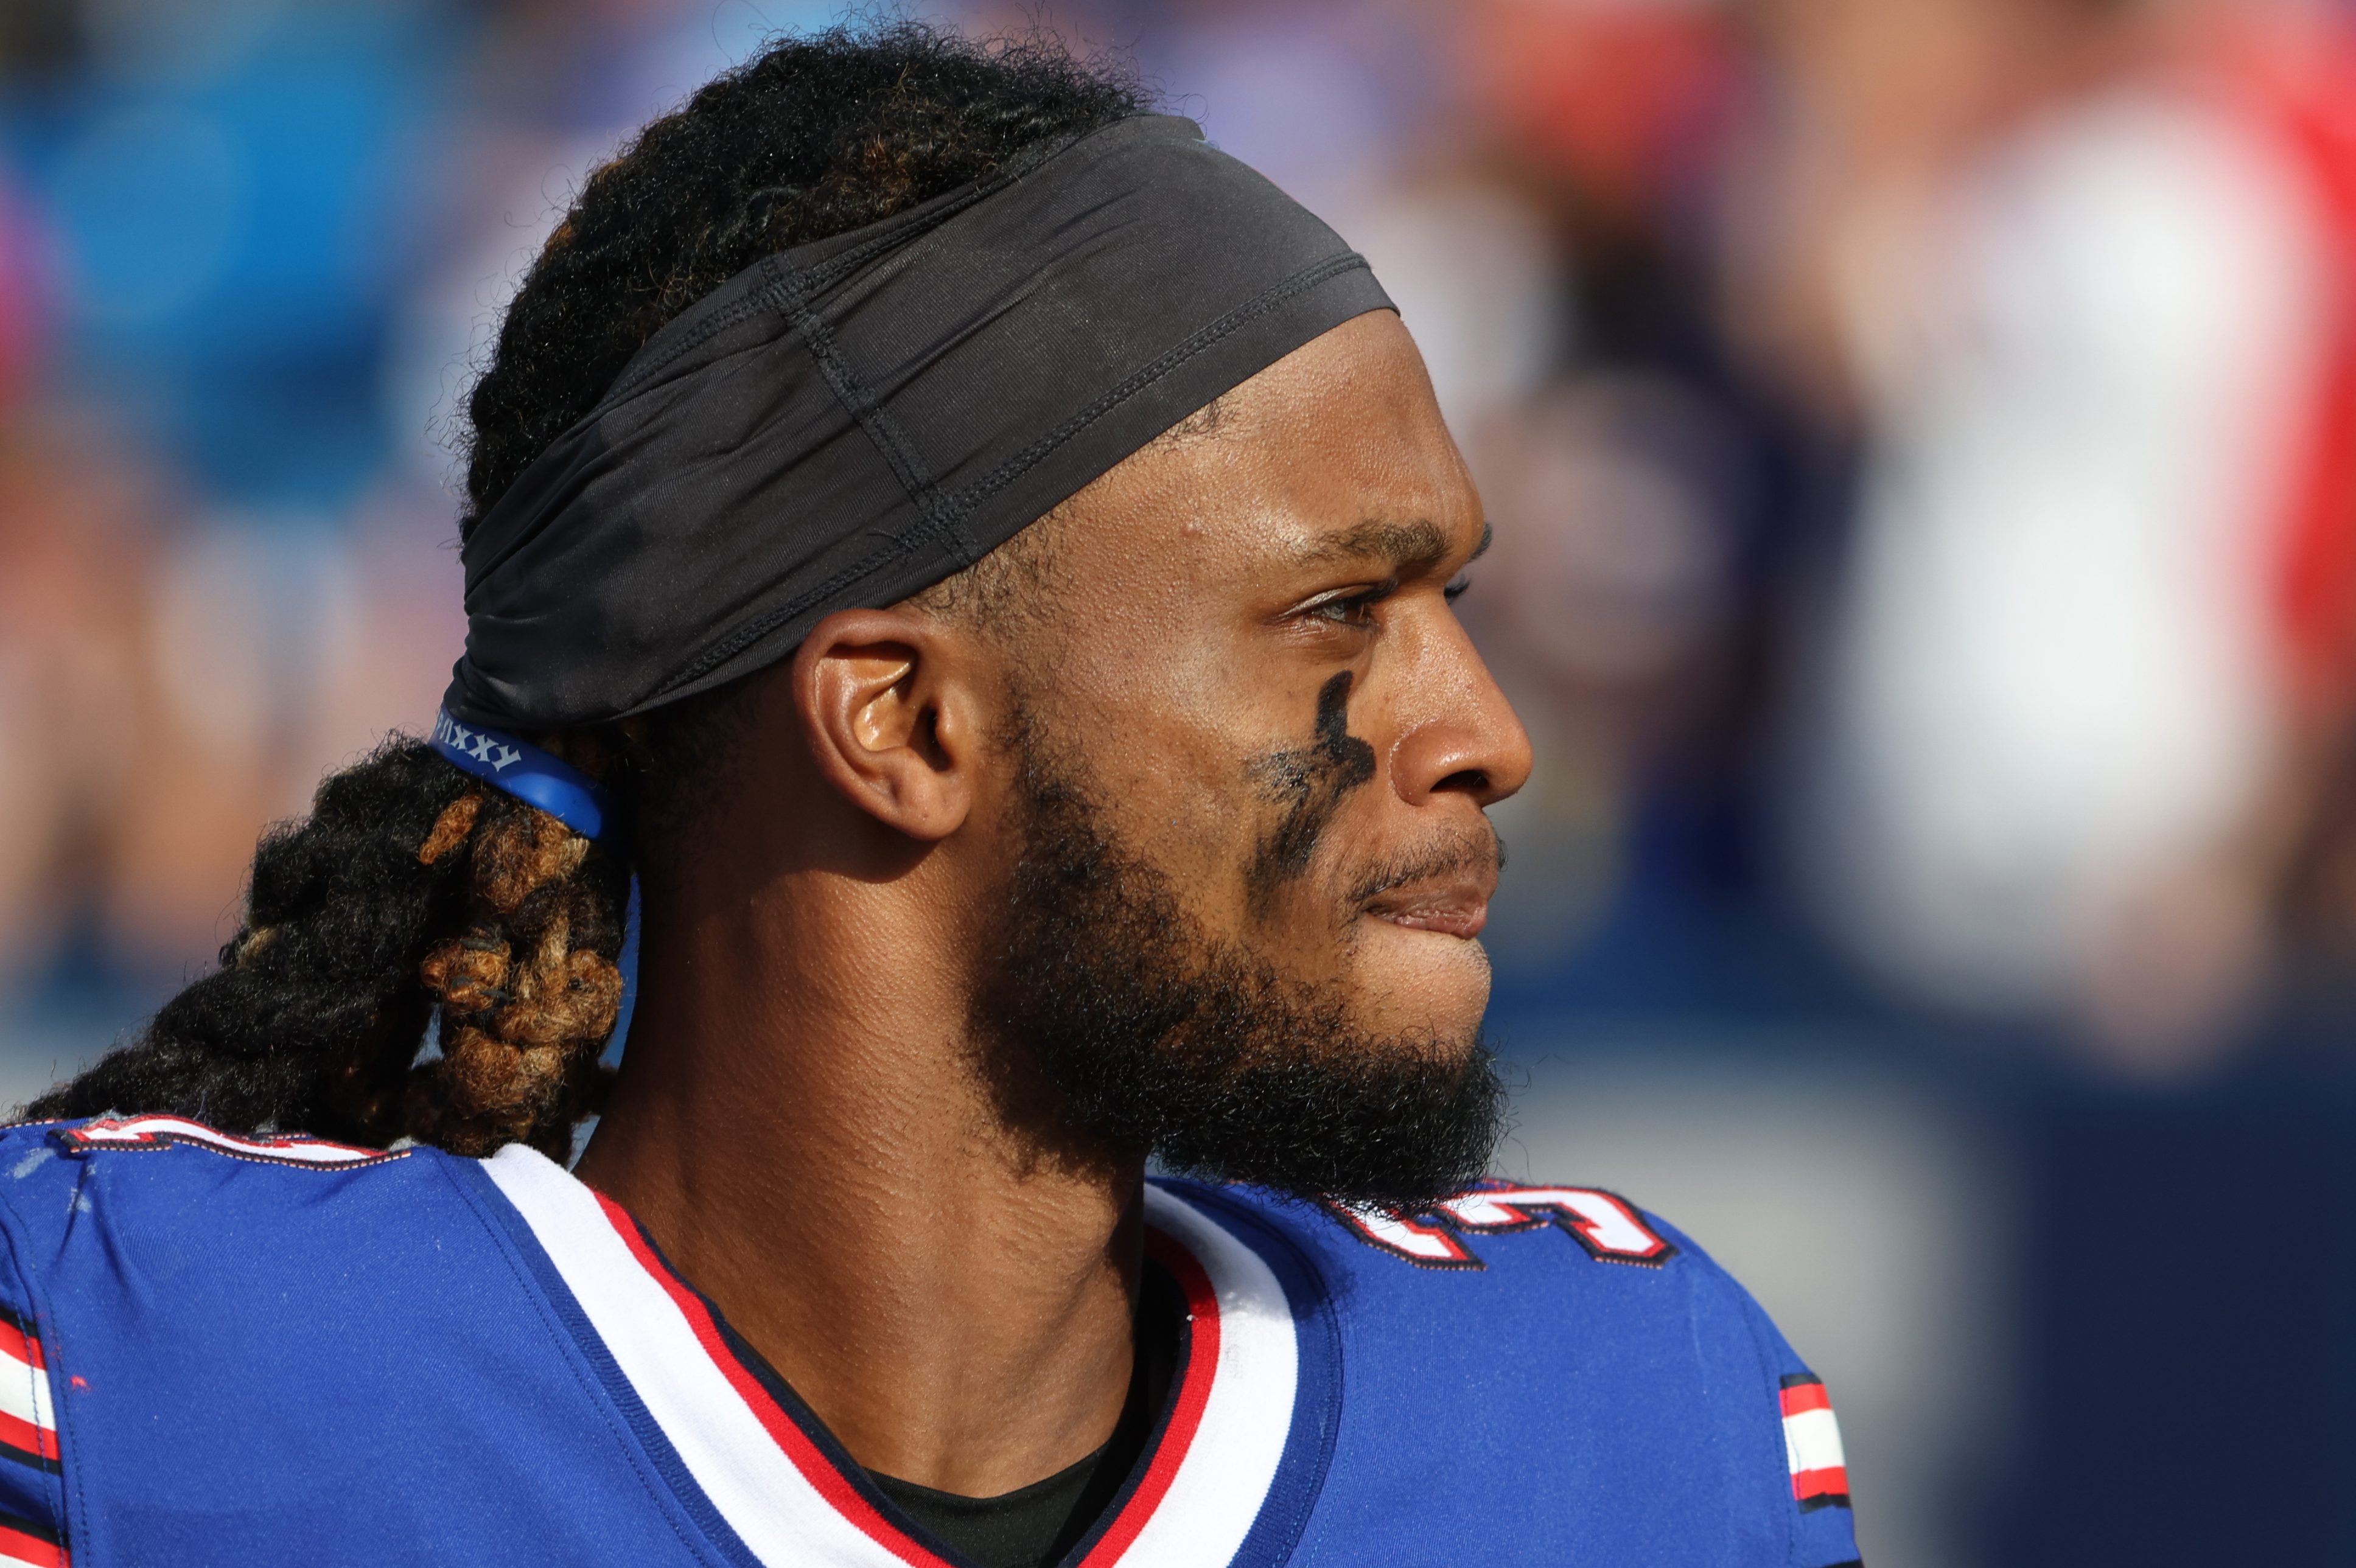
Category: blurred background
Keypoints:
(1921, 437)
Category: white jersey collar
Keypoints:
(790, 1494)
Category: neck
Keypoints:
(810, 1146)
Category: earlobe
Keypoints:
(883, 712)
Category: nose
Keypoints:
(1462, 737)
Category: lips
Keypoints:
(1452, 907)
(1444, 888)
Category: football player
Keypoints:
(979, 560)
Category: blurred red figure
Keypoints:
(2294, 68)
(2082, 289)
(1628, 101)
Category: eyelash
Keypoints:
(1349, 609)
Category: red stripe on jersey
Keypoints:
(14, 1341)
(26, 1437)
(17, 1546)
(1802, 1397)
(829, 1482)
(1828, 1483)
(1192, 1398)
(1185, 1411)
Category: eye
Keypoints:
(1455, 589)
(1350, 606)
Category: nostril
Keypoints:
(1471, 781)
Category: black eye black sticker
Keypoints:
(1310, 784)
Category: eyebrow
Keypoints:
(1403, 547)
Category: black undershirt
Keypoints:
(1038, 1525)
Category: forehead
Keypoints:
(1336, 445)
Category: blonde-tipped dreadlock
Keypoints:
(408, 889)
(529, 991)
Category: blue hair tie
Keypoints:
(524, 770)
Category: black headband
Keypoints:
(847, 423)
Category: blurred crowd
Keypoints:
(1922, 432)
(1922, 441)
(1923, 435)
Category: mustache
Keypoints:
(1476, 849)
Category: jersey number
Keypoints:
(1607, 1226)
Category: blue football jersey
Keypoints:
(216, 1350)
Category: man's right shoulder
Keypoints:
(163, 1284)
(281, 1348)
(173, 1163)
(155, 1197)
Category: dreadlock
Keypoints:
(411, 890)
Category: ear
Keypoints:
(888, 703)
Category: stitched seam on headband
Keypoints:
(901, 544)
(767, 299)
(893, 231)
(753, 303)
(906, 467)
(774, 297)
(1014, 467)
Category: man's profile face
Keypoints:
(1254, 747)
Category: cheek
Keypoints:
(1180, 747)
(1170, 771)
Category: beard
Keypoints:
(1109, 1022)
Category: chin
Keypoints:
(1420, 984)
